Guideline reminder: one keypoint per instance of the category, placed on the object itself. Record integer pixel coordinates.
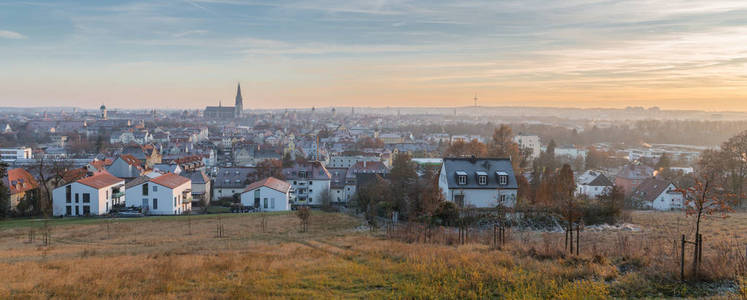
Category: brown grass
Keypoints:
(156, 258)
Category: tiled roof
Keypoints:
(650, 188)
(19, 181)
(100, 180)
(270, 182)
(170, 180)
(131, 160)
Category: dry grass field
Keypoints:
(158, 258)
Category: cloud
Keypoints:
(7, 34)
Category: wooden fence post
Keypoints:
(682, 260)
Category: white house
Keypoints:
(309, 181)
(593, 184)
(269, 194)
(529, 142)
(92, 195)
(658, 194)
(168, 194)
(478, 182)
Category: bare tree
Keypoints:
(51, 173)
(706, 197)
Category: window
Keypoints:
(461, 177)
(482, 180)
(272, 203)
(155, 203)
(503, 179)
(86, 209)
(503, 198)
(459, 199)
(107, 195)
(174, 201)
(68, 210)
(265, 203)
(77, 197)
(68, 195)
(86, 198)
(155, 188)
(145, 189)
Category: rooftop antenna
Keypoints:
(475, 98)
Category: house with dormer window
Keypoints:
(478, 182)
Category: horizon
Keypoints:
(677, 55)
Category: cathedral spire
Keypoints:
(239, 101)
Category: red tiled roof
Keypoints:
(100, 180)
(19, 181)
(170, 180)
(131, 160)
(74, 174)
(101, 164)
(270, 182)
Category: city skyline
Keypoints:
(293, 54)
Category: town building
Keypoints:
(21, 186)
(478, 182)
(10, 155)
(269, 194)
(168, 194)
(593, 184)
(91, 195)
(310, 180)
(657, 194)
(226, 112)
(531, 142)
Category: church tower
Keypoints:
(239, 102)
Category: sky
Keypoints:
(674, 54)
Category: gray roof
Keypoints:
(197, 177)
(233, 177)
(471, 166)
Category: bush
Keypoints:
(447, 213)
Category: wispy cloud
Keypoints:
(7, 34)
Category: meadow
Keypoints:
(266, 256)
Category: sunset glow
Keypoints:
(674, 54)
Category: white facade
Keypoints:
(267, 199)
(347, 161)
(668, 200)
(480, 198)
(156, 199)
(592, 191)
(13, 154)
(309, 191)
(76, 199)
(529, 142)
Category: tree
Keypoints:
(460, 149)
(503, 145)
(429, 195)
(734, 156)
(369, 197)
(664, 163)
(567, 205)
(403, 179)
(703, 199)
(5, 209)
(269, 168)
(326, 200)
(51, 174)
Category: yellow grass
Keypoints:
(157, 258)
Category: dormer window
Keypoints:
(461, 177)
(482, 177)
(502, 177)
